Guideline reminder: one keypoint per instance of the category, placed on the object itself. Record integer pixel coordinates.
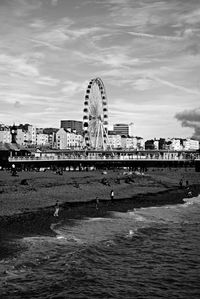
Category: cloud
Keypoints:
(179, 87)
(192, 17)
(44, 43)
(54, 2)
(71, 88)
(55, 37)
(38, 24)
(25, 7)
(48, 81)
(143, 84)
(164, 37)
(190, 119)
(18, 65)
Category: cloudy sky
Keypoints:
(147, 53)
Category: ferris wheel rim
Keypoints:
(95, 111)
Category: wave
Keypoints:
(191, 200)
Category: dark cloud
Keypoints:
(190, 119)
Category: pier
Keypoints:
(99, 159)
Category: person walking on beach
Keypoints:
(181, 183)
(56, 209)
(97, 203)
(111, 194)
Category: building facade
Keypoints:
(68, 140)
(72, 125)
(190, 144)
(133, 143)
(115, 141)
(121, 129)
(5, 135)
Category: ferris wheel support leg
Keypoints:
(97, 138)
(108, 141)
(102, 133)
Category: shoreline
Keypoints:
(38, 222)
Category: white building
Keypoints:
(20, 138)
(131, 130)
(176, 144)
(5, 135)
(156, 144)
(190, 144)
(68, 140)
(133, 143)
(42, 139)
(115, 141)
(140, 143)
(32, 133)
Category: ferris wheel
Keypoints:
(95, 116)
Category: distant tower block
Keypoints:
(131, 129)
(13, 132)
(121, 129)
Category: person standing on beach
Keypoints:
(111, 194)
(181, 183)
(97, 203)
(56, 209)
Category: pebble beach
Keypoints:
(36, 191)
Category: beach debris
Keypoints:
(59, 171)
(117, 181)
(24, 182)
(127, 180)
(105, 182)
(76, 185)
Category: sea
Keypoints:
(147, 252)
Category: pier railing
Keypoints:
(97, 157)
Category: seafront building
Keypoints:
(72, 126)
(30, 136)
(134, 143)
(115, 140)
(68, 140)
(5, 135)
(190, 144)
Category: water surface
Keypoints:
(150, 252)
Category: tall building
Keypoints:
(72, 126)
(131, 130)
(121, 129)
